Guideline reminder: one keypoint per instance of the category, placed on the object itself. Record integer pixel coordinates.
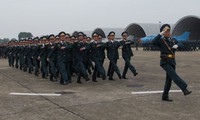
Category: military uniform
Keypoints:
(36, 51)
(97, 55)
(127, 54)
(80, 54)
(52, 58)
(64, 58)
(113, 55)
(167, 48)
(43, 57)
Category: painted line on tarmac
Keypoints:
(35, 94)
(4, 68)
(153, 92)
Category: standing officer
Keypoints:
(113, 55)
(97, 50)
(168, 47)
(127, 54)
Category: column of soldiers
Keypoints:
(63, 56)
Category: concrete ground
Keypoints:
(105, 100)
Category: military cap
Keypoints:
(43, 38)
(51, 36)
(61, 33)
(124, 33)
(163, 26)
(36, 39)
(80, 34)
(89, 38)
(111, 33)
(67, 35)
(29, 38)
(95, 34)
(73, 37)
(57, 37)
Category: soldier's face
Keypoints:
(80, 37)
(167, 34)
(112, 37)
(62, 37)
(52, 40)
(68, 38)
(95, 38)
(125, 37)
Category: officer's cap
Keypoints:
(73, 37)
(95, 34)
(124, 33)
(163, 26)
(80, 34)
(112, 33)
(44, 38)
(62, 33)
(68, 35)
(51, 36)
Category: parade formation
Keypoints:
(61, 57)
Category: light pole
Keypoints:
(159, 24)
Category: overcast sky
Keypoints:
(42, 17)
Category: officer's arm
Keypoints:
(156, 40)
(180, 44)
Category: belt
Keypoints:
(170, 56)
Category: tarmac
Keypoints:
(24, 96)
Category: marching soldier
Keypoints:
(43, 56)
(52, 58)
(113, 55)
(97, 55)
(64, 58)
(80, 54)
(36, 51)
(168, 47)
(127, 54)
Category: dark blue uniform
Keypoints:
(80, 60)
(113, 56)
(168, 63)
(52, 57)
(97, 55)
(127, 54)
(64, 58)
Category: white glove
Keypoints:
(161, 33)
(164, 30)
(175, 46)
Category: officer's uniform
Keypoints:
(36, 51)
(79, 56)
(168, 63)
(64, 57)
(52, 58)
(43, 57)
(127, 54)
(113, 55)
(97, 55)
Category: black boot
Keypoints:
(167, 99)
(79, 80)
(187, 92)
(135, 74)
